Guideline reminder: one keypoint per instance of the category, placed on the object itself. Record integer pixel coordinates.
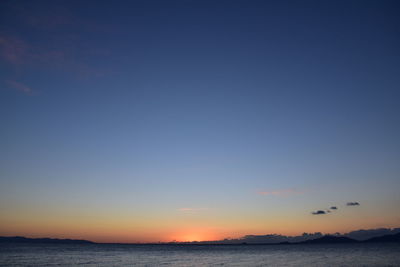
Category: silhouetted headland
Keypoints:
(20, 239)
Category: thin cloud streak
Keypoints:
(191, 209)
(284, 192)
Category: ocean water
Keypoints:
(211, 255)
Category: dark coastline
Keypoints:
(327, 239)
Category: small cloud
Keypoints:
(318, 212)
(334, 208)
(284, 192)
(191, 209)
(353, 204)
(20, 87)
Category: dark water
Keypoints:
(173, 255)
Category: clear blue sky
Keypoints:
(150, 115)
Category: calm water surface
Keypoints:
(174, 255)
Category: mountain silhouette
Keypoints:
(385, 238)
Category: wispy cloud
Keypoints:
(18, 52)
(13, 50)
(284, 192)
(21, 54)
(20, 87)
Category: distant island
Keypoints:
(369, 235)
(326, 239)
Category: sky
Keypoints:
(147, 121)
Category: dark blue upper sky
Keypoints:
(187, 103)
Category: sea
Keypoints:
(376, 254)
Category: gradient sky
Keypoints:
(126, 121)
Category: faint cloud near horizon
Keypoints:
(284, 192)
(191, 209)
(318, 212)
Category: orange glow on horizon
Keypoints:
(194, 234)
(147, 229)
